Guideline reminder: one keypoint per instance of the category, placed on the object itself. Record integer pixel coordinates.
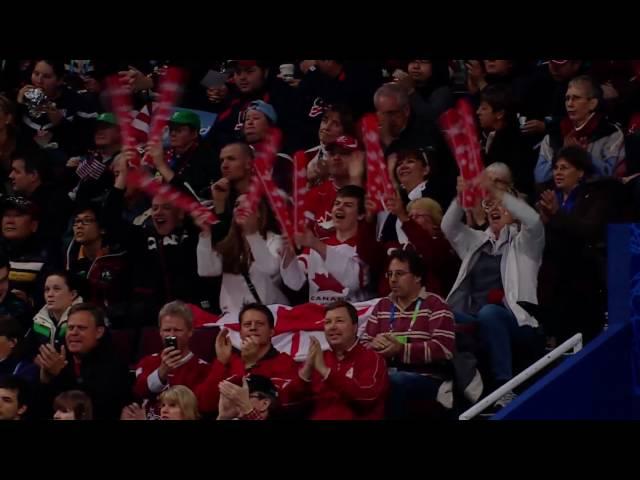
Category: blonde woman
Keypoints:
(178, 403)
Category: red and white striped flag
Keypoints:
(379, 186)
(141, 124)
(458, 126)
(294, 326)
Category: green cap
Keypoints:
(107, 118)
(186, 117)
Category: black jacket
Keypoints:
(103, 376)
(163, 268)
(572, 281)
(13, 306)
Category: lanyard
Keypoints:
(392, 317)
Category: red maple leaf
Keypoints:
(326, 282)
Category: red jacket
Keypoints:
(190, 374)
(279, 367)
(355, 388)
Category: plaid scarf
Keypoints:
(582, 135)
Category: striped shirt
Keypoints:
(425, 326)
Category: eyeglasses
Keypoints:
(395, 273)
(83, 221)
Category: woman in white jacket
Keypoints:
(248, 259)
(499, 269)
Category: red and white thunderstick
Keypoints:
(152, 187)
(137, 178)
(262, 182)
(169, 91)
(300, 189)
(122, 107)
(458, 126)
(379, 186)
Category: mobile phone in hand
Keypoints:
(170, 342)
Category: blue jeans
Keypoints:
(498, 328)
(406, 386)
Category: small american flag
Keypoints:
(91, 166)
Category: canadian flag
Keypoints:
(294, 326)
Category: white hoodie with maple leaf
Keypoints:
(342, 276)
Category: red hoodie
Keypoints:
(355, 388)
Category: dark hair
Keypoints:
(96, 312)
(232, 247)
(263, 387)
(4, 259)
(70, 279)
(418, 153)
(35, 161)
(17, 384)
(353, 313)
(500, 98)
(246, 148)
(576, 156)
(353, 191)
(76, 401)
(440, 75)
(94, 208)
(56, 65)
(260, 308)
(346, 118)
(416, 265)
(10, 327)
